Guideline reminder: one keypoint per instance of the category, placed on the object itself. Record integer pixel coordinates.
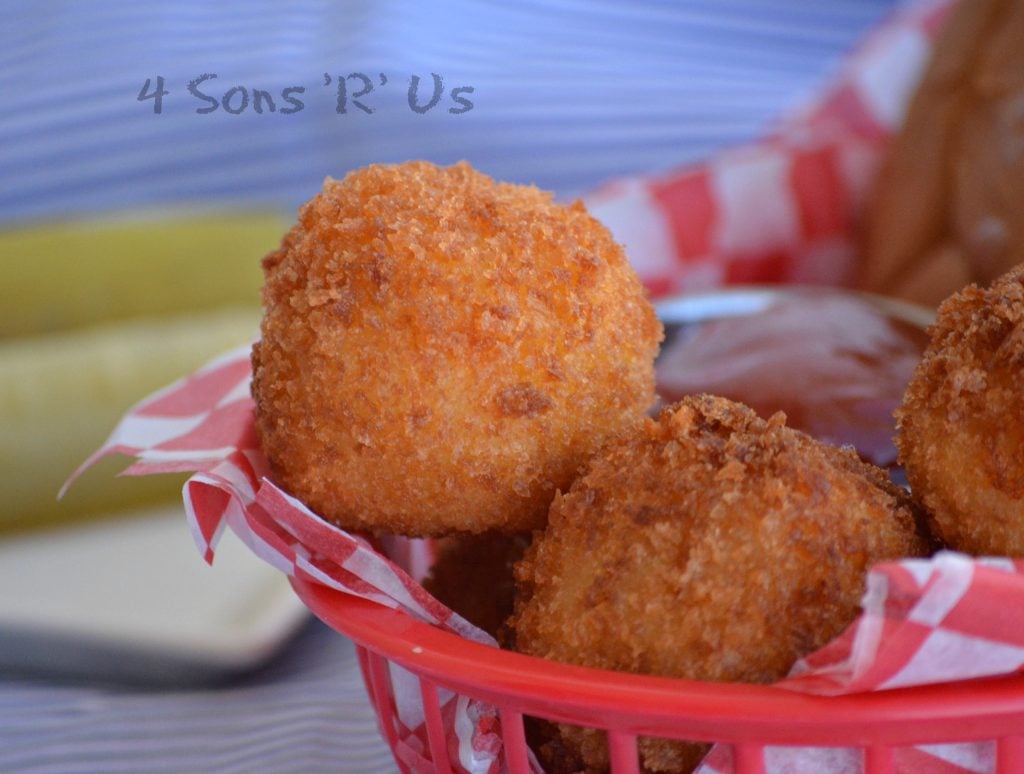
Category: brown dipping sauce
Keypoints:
(835, 362)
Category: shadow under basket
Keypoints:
(747, 717)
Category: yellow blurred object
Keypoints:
(61, 394)
(95, 316)
(65, 275)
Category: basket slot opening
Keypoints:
(436, 736)
(513, 737)
(379, 679)
(878, 759)
(748, 758)
(363, 655)
(1010, 753)
(622, 753)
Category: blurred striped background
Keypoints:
(565, 94)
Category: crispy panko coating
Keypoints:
(708, 544)
(440, 352)
(961, 424)
(472, 574)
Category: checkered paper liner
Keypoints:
(779, 210)
(783, 209)
(924, 621)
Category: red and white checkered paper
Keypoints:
(924, 621)
(782, 209)
(779, 210)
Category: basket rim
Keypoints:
(979, 709)
(746, 299)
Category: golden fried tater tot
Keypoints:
(709, 544)
(440, 352)
(961, 424)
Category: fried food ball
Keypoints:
(472, 575)
(708, 544)
(440, 352)
(961, 423)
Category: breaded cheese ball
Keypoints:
(961, 423)
(708, 544)
(440, 352)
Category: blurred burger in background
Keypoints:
(946, 207)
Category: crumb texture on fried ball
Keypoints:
(708, 544)
(961, 424)
(440, 352)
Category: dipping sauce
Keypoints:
(835, 362)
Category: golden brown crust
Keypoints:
(440, 352)
(961, 438)
(710, 544)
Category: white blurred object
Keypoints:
(129, 600)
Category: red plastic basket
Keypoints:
(747, 717)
